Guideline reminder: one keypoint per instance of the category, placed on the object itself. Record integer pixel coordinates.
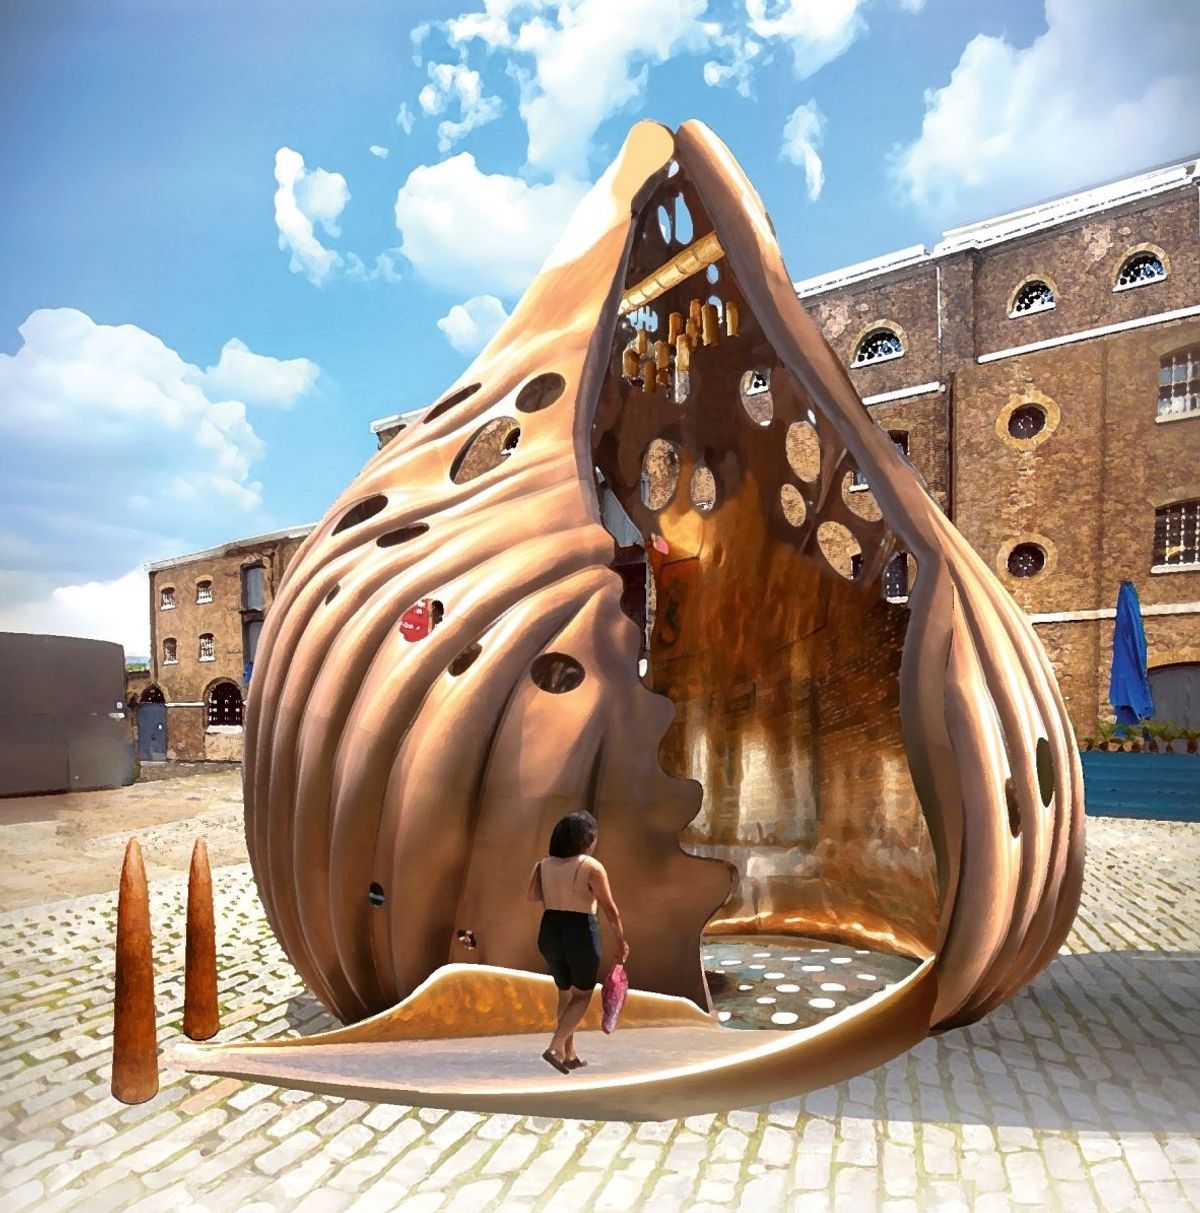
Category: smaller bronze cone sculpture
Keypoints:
(135, 1038)
(201, 1018)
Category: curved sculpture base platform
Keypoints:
(411, 1055)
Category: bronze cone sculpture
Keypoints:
(447, 669)
(135, 1032)
(201, 1017)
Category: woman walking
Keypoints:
(569, 883)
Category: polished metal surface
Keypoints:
(834, 764)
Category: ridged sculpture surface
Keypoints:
(447, 669)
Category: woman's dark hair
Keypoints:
(573, 835)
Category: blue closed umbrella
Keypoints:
(1129, 686)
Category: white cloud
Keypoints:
(405, 118)
(116, 610)
(118, 450)
(818, 31)
(305, 200)
(384, 269)
(470, 326)
(802, 136)
(455, 84)
(1108, 89)
(466, 231)
(257, 378)
(380, 152)
(743, 57)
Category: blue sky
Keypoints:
(236, 232)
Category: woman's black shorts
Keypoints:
(570, 942)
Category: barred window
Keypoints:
(878, 345)
(900, 440)
(1026, 560)
(1177, 533)
(224, 704)
(204, 591)
(1035, 296)
(1179, 382)
(895, 577)
(207, 647)
(166, 599)
(170, 655)
(1139, 269)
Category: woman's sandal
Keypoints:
(575, 1063)
(560, 1066)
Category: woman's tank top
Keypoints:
(565, 885)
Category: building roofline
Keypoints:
(386, 423)
(299, 532)
(1008, 226)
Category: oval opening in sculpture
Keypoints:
(446, 405)
(392, 538)
(556, 673)
(486, 449)
(540, 393)
(358, 514)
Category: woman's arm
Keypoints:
(535, 892)
(598, 881)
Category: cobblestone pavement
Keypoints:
(1082, 1093)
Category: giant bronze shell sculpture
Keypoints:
(448, 668)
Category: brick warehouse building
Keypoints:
(1042, 369)
(206, 612)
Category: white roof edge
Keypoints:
(296, 532)
(913, 255)
(386, 423)
(1014, 223)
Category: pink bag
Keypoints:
(612, 997)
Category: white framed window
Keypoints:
(879, 345)
(170, 651)
(208, 649)
(1140, 269)
(204, 591)
(1034, 296)
(1177, 536)
(166, 598)
(1179, 383)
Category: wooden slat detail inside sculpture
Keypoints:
(447, 669)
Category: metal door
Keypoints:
(152, 732)
(1176, 693)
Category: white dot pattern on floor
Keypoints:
(773, 981)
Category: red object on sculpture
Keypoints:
(612, 998)
(417, 622)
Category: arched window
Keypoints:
(224, 705)
(153, 695)
(1179, 382)
(170, 651)
(204, 591)
(166, 598)
(878, 345)
(208, 649)
(1139, 269)
(1177, 534)
(1034, 296)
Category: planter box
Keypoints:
(1165, 787)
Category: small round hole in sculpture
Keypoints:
(712, 274)
(660, 474)
(332, 594)
(804, 450)
(716, 302)
(683, 221)
(792, 500)
(1027, 422)
(467, 939)
(672, 168)
(859, 498)
(375, 893)
(664, 223)
(443, 405)
(755, 394)
(1014, 814)
(840, 549)
(1045, 770)
(1026, 560)
(402, 535)
(703, 488)
(359, 513)
(486, 449)
(556, 673)
(464, 660)
(540, 393)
